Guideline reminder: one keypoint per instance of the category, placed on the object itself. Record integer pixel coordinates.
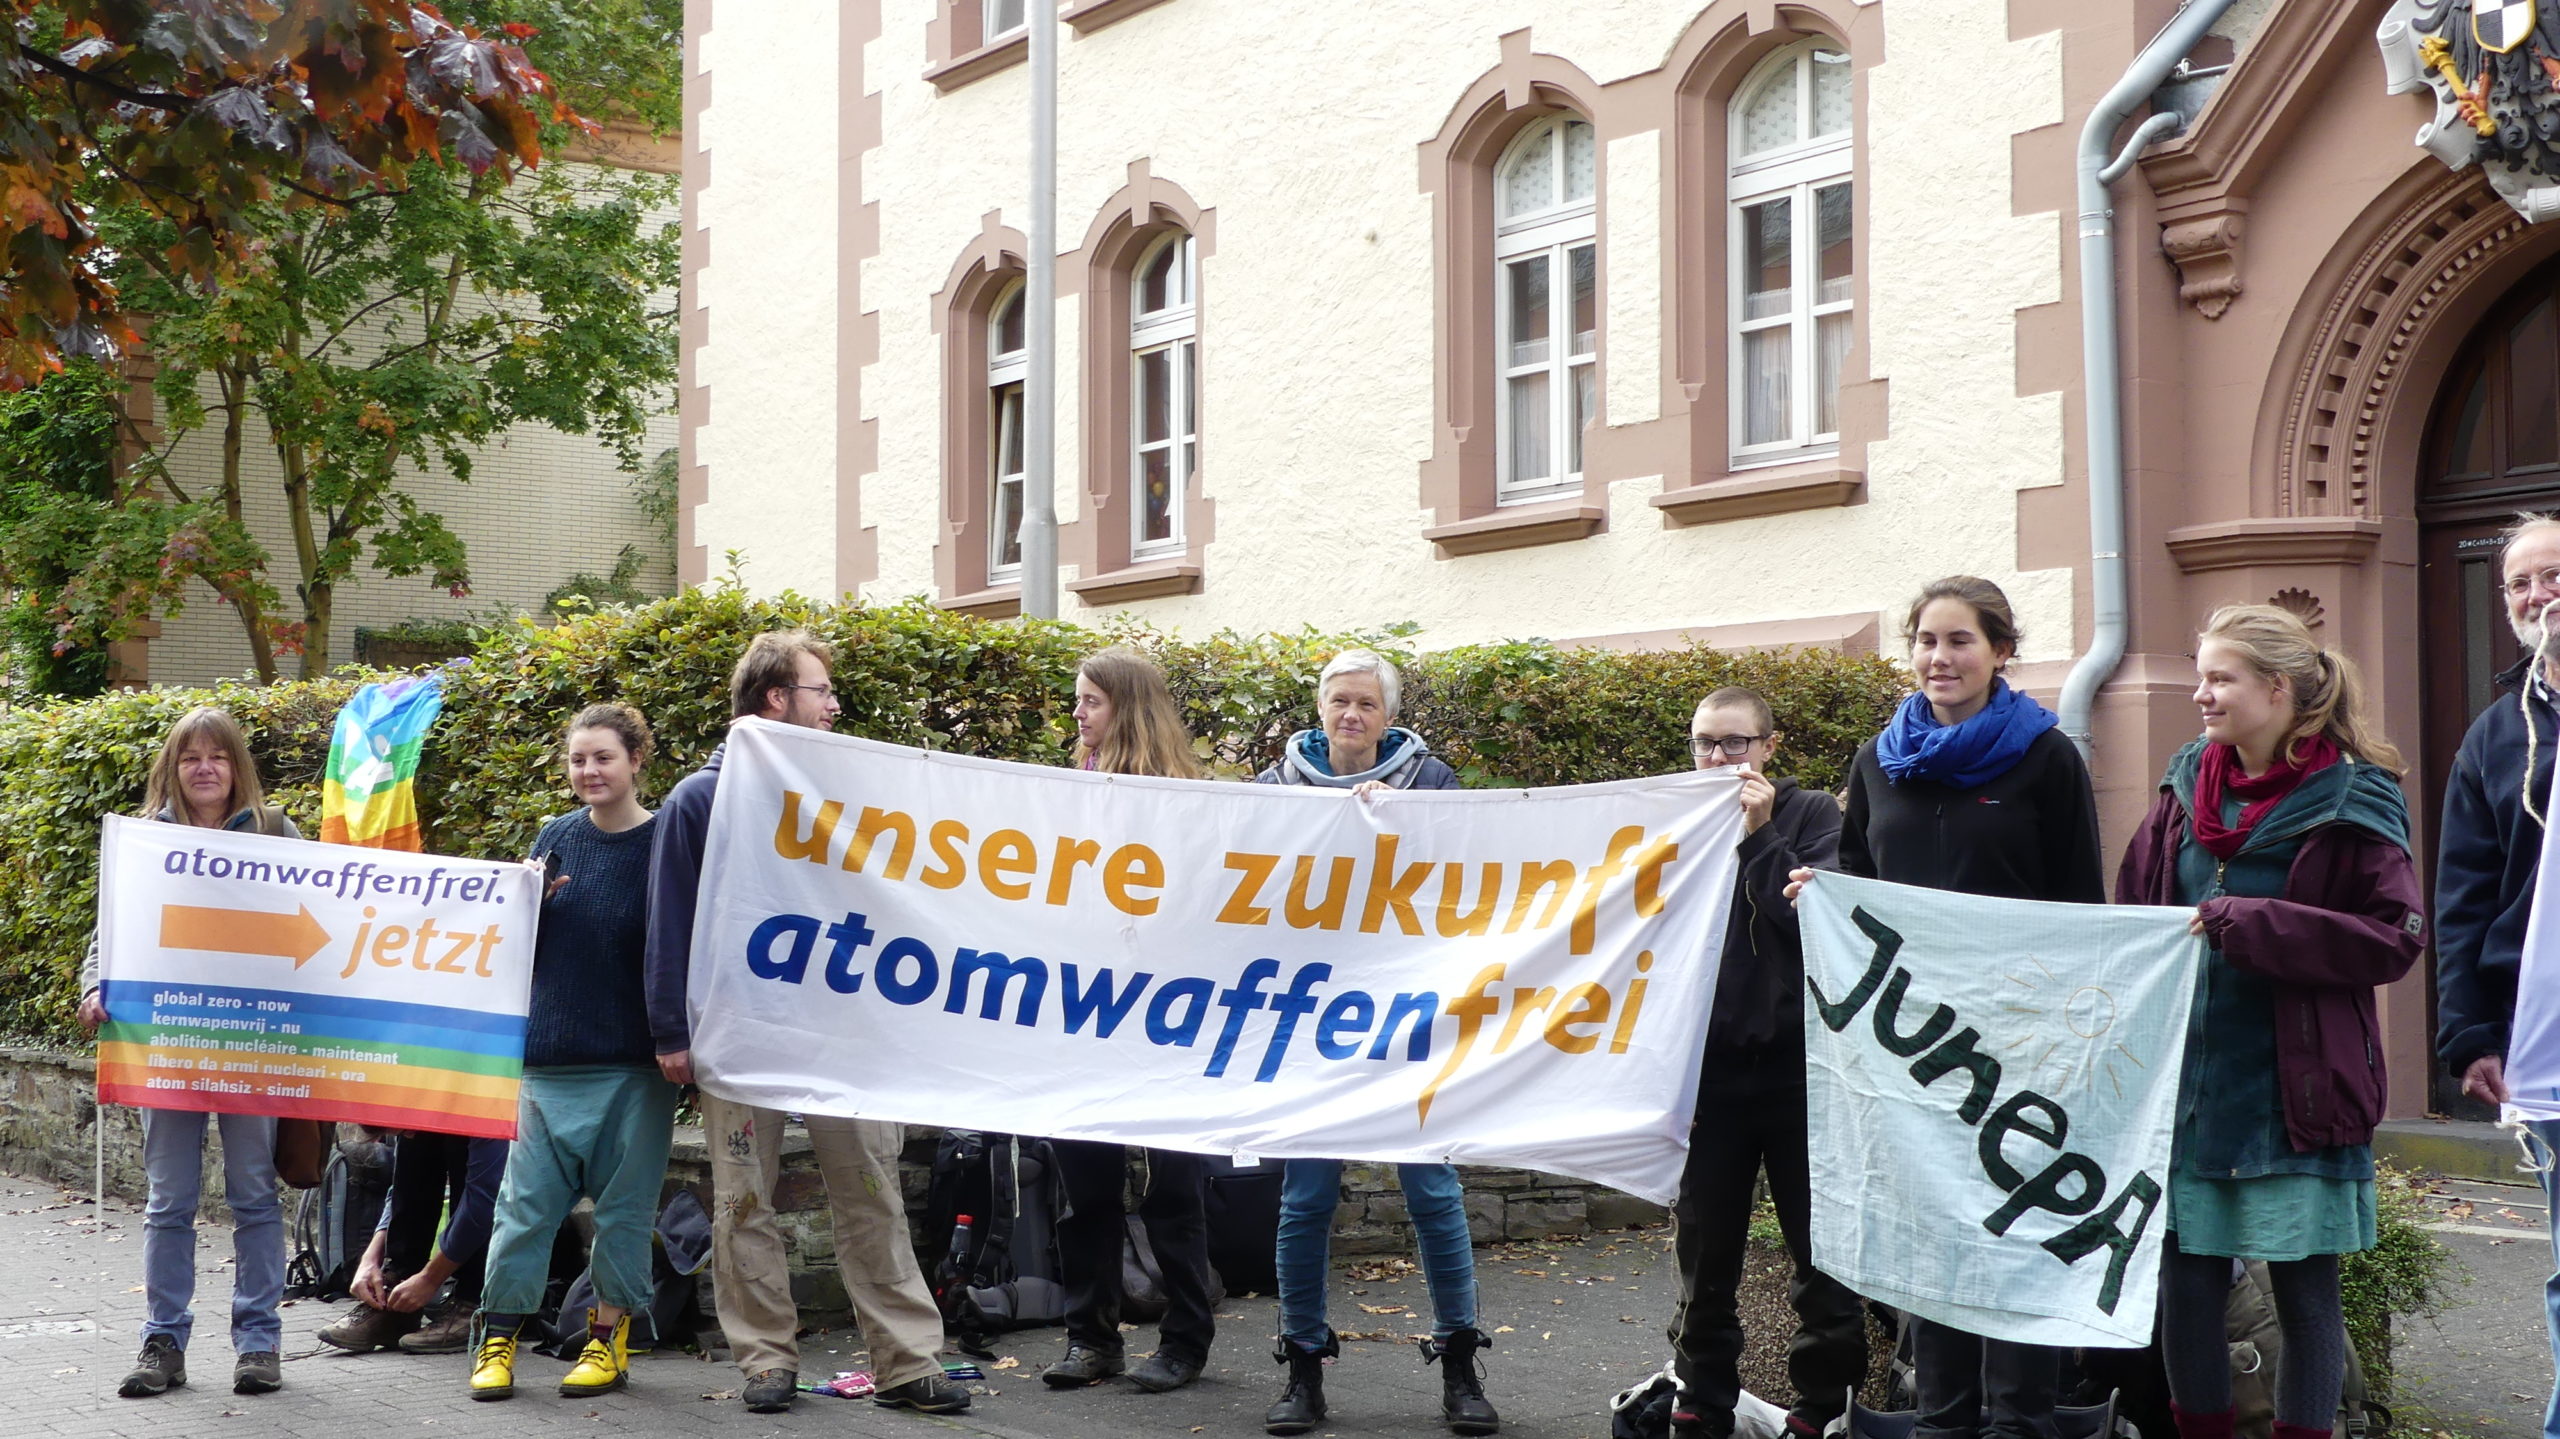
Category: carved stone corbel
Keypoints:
(2206, 251)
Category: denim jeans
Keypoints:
(173, 1161)
(1310, 1191)
(2548, 1131)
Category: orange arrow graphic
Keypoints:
(295, 936)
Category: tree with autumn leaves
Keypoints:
(327, 226)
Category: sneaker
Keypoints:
(605, 1364)
(493, 1364)
(160, 1367)
(257, 1372)
(1160, 1371)
(931, 1394)
(1083, 1365)
(770, 1391)
(365, 1329)
(441, 1331)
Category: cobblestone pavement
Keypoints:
(1573, 1322)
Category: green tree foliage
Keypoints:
(57, 475)
(908, 674)
(334, 344)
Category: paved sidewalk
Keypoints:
(1573, 1322)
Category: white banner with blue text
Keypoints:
(1514, 977)
(1992, 1084)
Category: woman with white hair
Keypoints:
(1361, 749)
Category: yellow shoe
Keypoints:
(604, 1364)
(493, 1367)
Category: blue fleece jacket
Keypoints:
(675, 877)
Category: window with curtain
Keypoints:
(1006, 361)
(1546, 303)
(1164, 346)
(999, 18)
(1793, 283)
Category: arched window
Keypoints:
(1164, 345)
(1006, 363)
(1790, 207)
(1546, 300)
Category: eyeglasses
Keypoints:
(1731, 746)
(2518, 586)
(828, 690)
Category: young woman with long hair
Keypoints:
(1127, 722)
(2284, 826)
(596, 1117)
(1972, 787)
(205, 777)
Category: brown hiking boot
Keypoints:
(365, 1329)
(446, 1330)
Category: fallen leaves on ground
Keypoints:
(1384, 1269)
(721, 1394)
(1007, 1362)
(1385, 1309)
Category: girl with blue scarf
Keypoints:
(1972, 788)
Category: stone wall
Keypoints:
(48, 1131)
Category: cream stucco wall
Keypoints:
(1317, 309)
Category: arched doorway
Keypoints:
(2492, 449)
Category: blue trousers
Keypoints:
(173, 1161)
(601, 1131)
(1310, 1191)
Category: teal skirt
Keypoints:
(2275, 1217)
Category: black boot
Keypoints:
(1301, 1405)
(1462, 1400)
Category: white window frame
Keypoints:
(1795, 173)
(1174, 330)
(990, 12)
(1553, 231)
(1006, 369)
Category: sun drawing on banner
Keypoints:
(2070, 1032)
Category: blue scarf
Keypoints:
(1966, 755)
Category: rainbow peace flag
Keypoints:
(369, 793)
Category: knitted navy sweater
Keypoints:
(588, 1003)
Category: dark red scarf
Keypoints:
(2222, 774)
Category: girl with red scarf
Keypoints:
(2285, 828)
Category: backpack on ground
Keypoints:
(334, 1223)
(1000, 1272)
(1244, 1223)
(2257, 1346)
(679, 1248)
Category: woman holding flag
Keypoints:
(2285, 827)
(205, 777)
(1973, 788)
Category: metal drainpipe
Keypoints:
(2100, 366)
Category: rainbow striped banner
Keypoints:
(249, 974)
(369, 792)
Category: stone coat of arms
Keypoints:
(2494, 66)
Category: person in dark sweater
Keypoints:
(1972, 788)
(446, 1180)
(1751, 1089)
(595, 1117)
(783, 677)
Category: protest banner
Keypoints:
(249, 974)
(2533, 1040)
(1992, 1085)
(1493, 977)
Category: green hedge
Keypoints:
(1509, 714)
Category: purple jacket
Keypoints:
(2352, 917)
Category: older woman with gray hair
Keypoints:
(1361, 749)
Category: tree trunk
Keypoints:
(244, 601)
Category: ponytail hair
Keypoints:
(2327, 689)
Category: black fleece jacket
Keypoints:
(2031, 833)
(1760, 987)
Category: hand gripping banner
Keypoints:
(1992, 1085)
(1493, 977)
(246, 974)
